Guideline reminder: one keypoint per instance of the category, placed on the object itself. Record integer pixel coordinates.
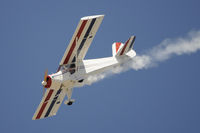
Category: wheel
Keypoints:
(69, 103)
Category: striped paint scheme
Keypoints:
(74, 42)
(79, 34)
(86, 35)
(132, 42)
(44, 104)
(122, 52)
(53, 102)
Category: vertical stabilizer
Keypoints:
(119, 48)
(116, 47)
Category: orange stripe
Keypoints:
(117, 46)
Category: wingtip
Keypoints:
(133, 36)
(91, 17)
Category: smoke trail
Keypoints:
(167, 49)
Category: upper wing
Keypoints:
(50, 103)
(81, 39)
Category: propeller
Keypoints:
(45, 80)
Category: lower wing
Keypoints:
(50, 103)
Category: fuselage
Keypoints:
(75, 77)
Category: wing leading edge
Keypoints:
(81, 39)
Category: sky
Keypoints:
(161, 98)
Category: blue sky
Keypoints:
(34, 35)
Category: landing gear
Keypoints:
(80, 81)
(69, 102)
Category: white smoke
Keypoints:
(167, 49)
(94, 78)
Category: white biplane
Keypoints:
(73, 70)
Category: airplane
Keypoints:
(74, 70)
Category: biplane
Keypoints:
(74, 70)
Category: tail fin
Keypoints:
(116, 47)
(119, 48)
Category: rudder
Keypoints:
(116, 46)
(119, 48)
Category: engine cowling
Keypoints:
(51, 82)
(48, 82)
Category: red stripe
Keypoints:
(117, 46)
(74, 42)
(124, 47)
(44, 104)
(59, 68)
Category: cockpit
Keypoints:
(69, 68)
